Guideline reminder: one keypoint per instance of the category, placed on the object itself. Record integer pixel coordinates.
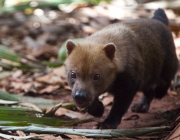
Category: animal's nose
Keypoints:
(80, 96)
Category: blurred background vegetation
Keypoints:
(16, 5)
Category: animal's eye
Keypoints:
(96, 77)
(73, 75)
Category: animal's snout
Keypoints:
(80, 96)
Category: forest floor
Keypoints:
(40, 34)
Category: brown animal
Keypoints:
(122, 58)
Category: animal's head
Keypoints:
(90, 70)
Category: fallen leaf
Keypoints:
(47, 136)
(69, 113)
(4, 74)
(30, 106)
(177, 42)
(20, 133)
(17, 74)
(16, 85)
(170, 92)
(44, 78)
(67, 87)
(75, 137)
(175, 134)
(51, 78)
(52, 111)
(49, 89)
(107, 100)
(60, 71)
(88, 29)
(16, 137)
(103, 95)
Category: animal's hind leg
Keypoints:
(143, 105)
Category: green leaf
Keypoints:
(1, 5)
(29, 117)
(8, 54)
(7, 96)
(24, 4)
(14, 61)
(24, 67)
(40, 102)
(53, 64)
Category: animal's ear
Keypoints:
(70, 46)
(110, 49)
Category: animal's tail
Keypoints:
(160, 15)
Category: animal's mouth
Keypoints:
(82, 106)
(81, 109)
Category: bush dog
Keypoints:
(122, 58)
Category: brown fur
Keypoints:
(86, 62)
(144, 59)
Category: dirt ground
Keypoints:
(161, 112)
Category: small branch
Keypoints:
(107, 133)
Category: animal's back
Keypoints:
(144, 46)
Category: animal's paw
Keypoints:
(96, 109)
(140, 108)
(105, 125)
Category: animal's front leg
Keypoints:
(96, 108)
(120, 106)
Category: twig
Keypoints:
(107, 133)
